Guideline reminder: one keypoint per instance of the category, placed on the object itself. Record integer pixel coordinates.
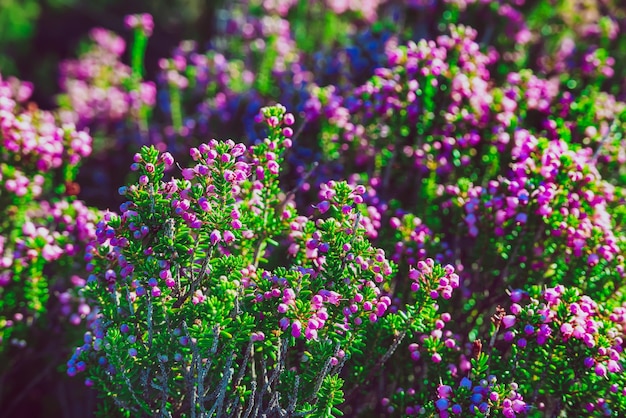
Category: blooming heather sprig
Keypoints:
(37, 259)
(561, 321)
(98, 88)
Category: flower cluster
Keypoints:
(44, 229)
(98, 89)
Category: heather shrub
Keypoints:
(436, 230)
(191, 278)
(43, 234)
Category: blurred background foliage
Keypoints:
(35, 35)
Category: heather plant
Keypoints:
(43, 234)
(269, 311)
(200, 312)
(38, 165)
(99, 90)
(509, 208)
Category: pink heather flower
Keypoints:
(444, 391)
(228, 236)
(519, 406)
(188, 173)
(310, 334)
(508, 321)
(272, 121)
(395, 223)
(216, 237)
(593, 260)
(516, 295)
(238, 150)
(567, 329)
(195, 154)
(296, 329)
(323, 206)
(168, 160)
(273, 167)
(289, 119)
(516, 309)
(613, 366)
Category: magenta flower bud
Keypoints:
(273, 167)
(516, 309)
(168, 160)
(238, 150)
(216, 237)
(323, 206)
(272, 121)
(516, 295)
(508, 321)
(188, 173)
(310, 334)
(289, 119)
(567, 329)
(296, 329)
(195, 154)
(288, 132)
(204, 204)
(228, 237)
(444, 391)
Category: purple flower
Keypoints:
(216, 237)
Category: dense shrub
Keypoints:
(437, 229)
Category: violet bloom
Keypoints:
(216, 237)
